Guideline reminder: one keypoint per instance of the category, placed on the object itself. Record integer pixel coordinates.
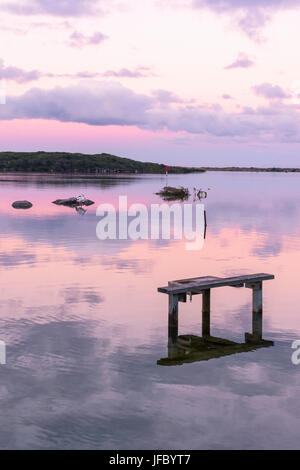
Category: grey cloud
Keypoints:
(80, 40)
(268, 90)
(109, 103)
(21, 76)
(250, 16)
(17, 74)
(222, 5)
(63, 8)
(99, 103)
(138, 72)
(242, 61)
(165, 96)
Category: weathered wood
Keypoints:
(257, 313)
(197, 284)
(205, 225)
(181, 297)
(173, 320)
(206, 313)
(181, 349)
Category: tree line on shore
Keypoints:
(63, 162)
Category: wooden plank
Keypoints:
(191, 279)
(208, 282)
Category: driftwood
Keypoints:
(72, 202)
(168, 193)
(22, 205)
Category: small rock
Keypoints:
(21, 205)
(72, 202)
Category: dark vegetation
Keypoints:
(62, 162)
(102, 163)
(168, 193)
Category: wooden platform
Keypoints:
(196, 285)
(179, 289)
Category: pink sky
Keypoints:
(178, 81)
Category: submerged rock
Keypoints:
(73, 202)
(21, 205)
(168, 193)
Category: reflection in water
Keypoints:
(84, 326)
(190, 348)
(80, 210)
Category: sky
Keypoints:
(189, 82)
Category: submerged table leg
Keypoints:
(257, 313)
(173, 323)
(206, 312)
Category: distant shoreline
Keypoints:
(129, 174)
(252, 169)
(66, 163)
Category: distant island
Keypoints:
(63, 162)
(102, 163)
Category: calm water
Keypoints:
(84, 324)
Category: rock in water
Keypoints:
(168, 193)
(72, 202)
(21, 205)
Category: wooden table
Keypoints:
(179, 290)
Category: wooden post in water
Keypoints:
(173, 321)
(206, 312)
(257, 313)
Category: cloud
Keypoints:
(225, 96)
(63, 8)
(17, 74)
(80, 40)
(23, 76)
(95, 103)
(138, 72)
(267, 90)
(110, 103)
(250, 16)
(166, 97)
(242, 61)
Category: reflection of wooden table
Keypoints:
(178, 291)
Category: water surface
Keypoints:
(84, 325)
